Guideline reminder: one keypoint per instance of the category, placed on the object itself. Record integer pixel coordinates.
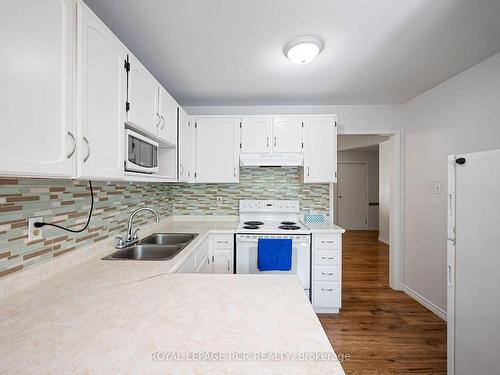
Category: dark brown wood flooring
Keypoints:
(383, 330)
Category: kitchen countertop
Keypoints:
(137, 317)
(324, 227)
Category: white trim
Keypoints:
(425, 302)
(396, 249)
(384, 240)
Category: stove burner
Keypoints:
(253, 223)
(289, 227)
(288, 222)
(251, 227)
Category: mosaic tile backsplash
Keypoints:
(255, 183)
(66, 202)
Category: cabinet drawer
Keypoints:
(326, 257)
(223, 241)
(327, 273)
(327, 241)
(326, 294)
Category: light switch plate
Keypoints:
(436, 187)
(34, 234)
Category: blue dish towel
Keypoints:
(274, 254)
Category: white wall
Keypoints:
(370, 157)
(386, 154)
(460, 115)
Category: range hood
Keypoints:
(271, 160)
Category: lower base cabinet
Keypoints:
(214, 255)
(327, 272)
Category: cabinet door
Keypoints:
(168, 117)
(37, 62)
(186, 134)
(319, 150)
(142, 98)
(287, 135)
(222, 261)
(217, 146)
(256, 134)
(102, 95)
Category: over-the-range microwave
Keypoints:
(141, 153)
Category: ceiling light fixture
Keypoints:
(303, 49)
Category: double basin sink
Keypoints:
(158, 246)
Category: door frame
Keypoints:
(336, 212)
(396, 234)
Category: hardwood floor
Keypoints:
(383, 330)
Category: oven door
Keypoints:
(246, 256)
(141, 153)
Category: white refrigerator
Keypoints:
(474, 263)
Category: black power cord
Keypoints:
(42, 224)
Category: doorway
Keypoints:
(352, 195)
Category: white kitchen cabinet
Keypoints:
(217, 150)
(167, 111)
(287, 135)
(320, 150)
(37, 64)
(222, 253)
(186, 147)
(102, 93)
(327, 272)
(142, 98)
(189, 265)
(256, 135)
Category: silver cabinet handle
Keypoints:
(228, 266)
(162, 122)
(267, 142)
(327, 241)
(327, 258)
(181, 171)
(326, 290)
(88, 146)
(308, 171)
(222, 241)
(327, 273)
(234, 171)
(158, 119)
(275, 142)
(74, 145)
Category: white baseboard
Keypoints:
(425, 302)
(384, 240)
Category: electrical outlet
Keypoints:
(34, 234)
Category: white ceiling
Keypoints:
(230, 52)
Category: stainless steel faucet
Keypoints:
(133, 238)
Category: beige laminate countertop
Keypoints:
(137, 317)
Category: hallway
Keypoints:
(384, 331)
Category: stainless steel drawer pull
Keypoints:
(88, 147)
(74, 145)
(222, 241)
(327, 258)
(326, 290)
(327, 241)
(327, 274)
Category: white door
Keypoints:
(142, 98)
(223, 261)
(477, 262)
(319, 149)
(37, 41)
(287, 135)
(256, 135)
(168, 117)
(217, 145)
(352, 196)
(184, 146)
(102, 93)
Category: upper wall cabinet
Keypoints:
(37, 65)
(142, 98)
(186, 147)
(287, 135)
(320, 149)
(217, 150)
(101, 98)
(167, 111)
(256, 135)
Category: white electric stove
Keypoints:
(273, 219)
